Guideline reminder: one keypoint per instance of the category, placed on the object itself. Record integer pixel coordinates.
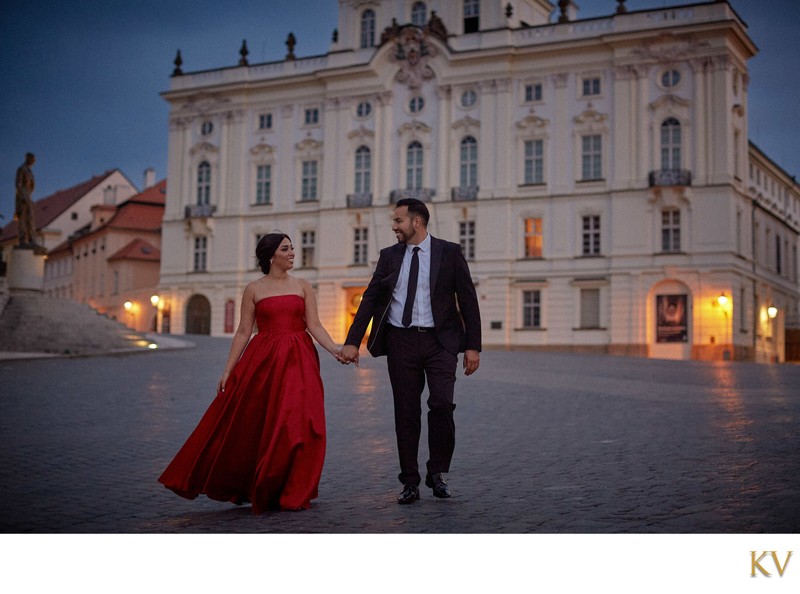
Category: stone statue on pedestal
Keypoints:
(23, 212)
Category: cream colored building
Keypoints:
(597, 172)
(112, 263)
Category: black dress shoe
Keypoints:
(409, 495)
(438, 484)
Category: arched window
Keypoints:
(204, 183)
(414, 166)
(419, 14)
(363, 170)
(469, 162)
(368, 28)
(670, 144)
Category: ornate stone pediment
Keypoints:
(412, 53)
(361, 133)
(669, 101)
(591, 117)
(204, 147)
(308, 145)
(414, 128)
(532, 122)
(262, 149)
(467, 124)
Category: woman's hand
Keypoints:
(222, 381)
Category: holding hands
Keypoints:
(348, 354)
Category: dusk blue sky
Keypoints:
(80, 81)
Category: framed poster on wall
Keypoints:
(672, 318)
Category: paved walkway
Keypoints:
(546, 443)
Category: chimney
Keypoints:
(149, 177)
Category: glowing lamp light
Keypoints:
(772, 311)
(722, 300)
(128, 306)
(154, 299)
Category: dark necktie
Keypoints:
(412, 288)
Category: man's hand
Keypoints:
(349, 354)
(472, 359)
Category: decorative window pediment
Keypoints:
(361, 134)
(467, 124)
(669, 102)
(309, 146)
(203, 148)
(591, 118)
(262, 150)
(414, 129)
(532, 123)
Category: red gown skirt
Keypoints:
(262, 440)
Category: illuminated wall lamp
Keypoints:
(722, 300)
(772, 311)
(154, 299)
(128, 306)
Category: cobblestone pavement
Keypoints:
(546, 443)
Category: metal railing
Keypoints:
(670, 177)
(199, 211)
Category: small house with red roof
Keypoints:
(112, 263)
(59, 215)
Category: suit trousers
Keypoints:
(414, 356)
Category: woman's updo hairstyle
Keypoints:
(266, 248)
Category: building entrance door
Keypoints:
(198, 315)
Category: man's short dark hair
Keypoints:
(415, 207)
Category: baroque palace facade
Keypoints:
(596, 172)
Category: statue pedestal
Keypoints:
(25, 270)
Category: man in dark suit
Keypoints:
(424, 312)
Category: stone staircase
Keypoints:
(35, 323)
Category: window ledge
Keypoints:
(590, 329)
(524, 329)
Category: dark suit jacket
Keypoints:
(453, 300)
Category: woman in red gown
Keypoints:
(262, 440)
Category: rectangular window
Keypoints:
(592, 157)
(778, 258)
(265, 121)
(533, 92)
(591, 86)
(309, 181)
(590, 308)
(200, 253)
(360, 235)
(532, 309)
(591, 235)
(534, 161)
(472, 13)
(466, 234)
(670, 230)
(311, 116)
(533, 238)
(307, 246)
(263, 184)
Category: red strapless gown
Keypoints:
(263, 439)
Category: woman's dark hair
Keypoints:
(266, 248)
(415, 207)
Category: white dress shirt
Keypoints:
(421, 314)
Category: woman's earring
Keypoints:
(270, 260)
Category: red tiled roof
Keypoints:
(50, 207)
(156, 194)
(138, 249)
